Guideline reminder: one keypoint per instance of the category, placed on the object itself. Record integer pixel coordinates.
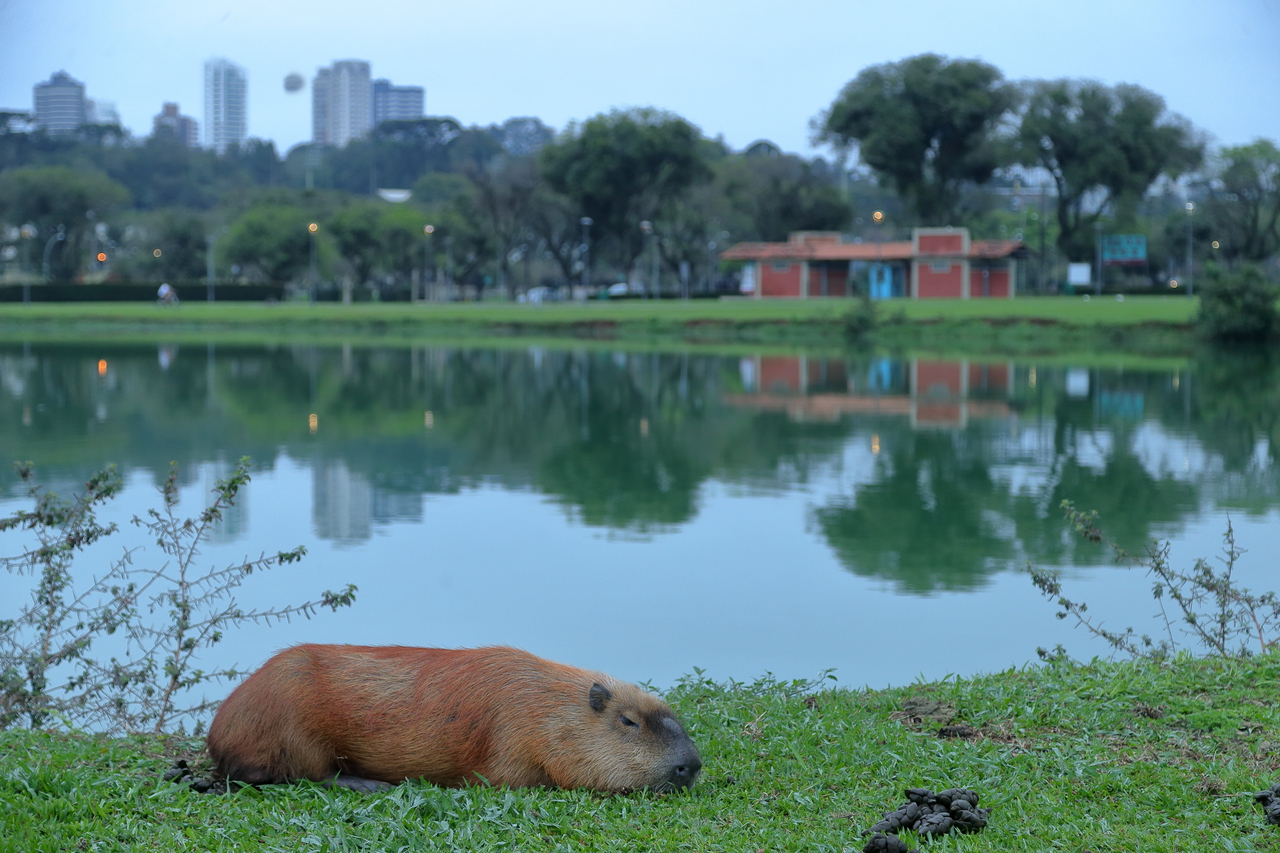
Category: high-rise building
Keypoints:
(226, 101)
(397, 103)
(60, 106)
(341, 103)
(184, 127)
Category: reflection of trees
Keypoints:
(921, 524)
(1236, 398)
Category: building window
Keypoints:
(935, 266)
(780, 266)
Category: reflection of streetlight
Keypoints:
(427, 231)
(209, 241)
(1191, 209)
(312, 228)
(586, 223)
(647, 227)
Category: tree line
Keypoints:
(928, 140)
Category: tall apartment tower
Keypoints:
(341, 103)
(226, 102)
(397, 103)
(60, 104)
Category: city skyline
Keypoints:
(748, 72)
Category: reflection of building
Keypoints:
(184, 127)
(930, 393)
(341, 502)
(60, 104)
(226, 103)
(341, 103)
(934, 263)
(397, 103)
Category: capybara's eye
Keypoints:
(627, 721)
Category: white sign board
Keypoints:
(1078, 274)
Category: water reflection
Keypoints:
(928, 474)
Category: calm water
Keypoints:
(649, 514)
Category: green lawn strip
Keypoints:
(1096, 757)
(1150, 327)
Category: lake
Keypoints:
(652, 513)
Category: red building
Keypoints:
(936, 263)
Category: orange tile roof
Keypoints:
(825, 250)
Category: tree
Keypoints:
(622, 168)
(1102, 146)
(1244, 207)
(275, 239)
(503, 196)
(928, 125)
(59, 196)
(355, 230)
(1237, 307)
(780, 193)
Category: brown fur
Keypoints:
(450, 716)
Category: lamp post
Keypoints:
(878, 219)
(427, 231)
(312, 228)
(586, 223)
(1191, 209)
(448, 267)
(647, 227)
(711, 264)
(210, 240)
(1097, 256)
(58, 237)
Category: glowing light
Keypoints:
(427, 229)
(1173, 282)
(313, 228)
(1031, 377)
(428, 419)
(878, 216)
(102, 367)
(644, 426)
(155, 253)
(1215, 244)
(875, 437)
(313, 422)
(1175, 381)
(102, 257)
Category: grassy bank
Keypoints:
(1151, 325)
(1100, 757)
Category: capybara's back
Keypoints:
(451, 716)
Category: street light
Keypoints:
(1191, 209)
(209, 241)
(647, 227)
(586, 223)
(58, 237)
(427, 231)
(312, 228)
(878, 219)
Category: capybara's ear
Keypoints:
(599, 697)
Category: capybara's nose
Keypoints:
(684, 774)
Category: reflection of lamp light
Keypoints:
(313, 422)
(102, 367)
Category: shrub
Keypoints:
(1237, 307)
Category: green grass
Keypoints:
(1113, 757)
(1152, 326)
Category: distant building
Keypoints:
(100, 112)
(184, 127)
(936, 263)
(60, 104)
(341, 103)
(397, 103)
(226, 102)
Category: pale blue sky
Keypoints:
(746, 70)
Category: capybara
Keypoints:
(365, 717)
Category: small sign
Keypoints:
(1078, 274)
(1124, 249)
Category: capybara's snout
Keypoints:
(685, 770)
